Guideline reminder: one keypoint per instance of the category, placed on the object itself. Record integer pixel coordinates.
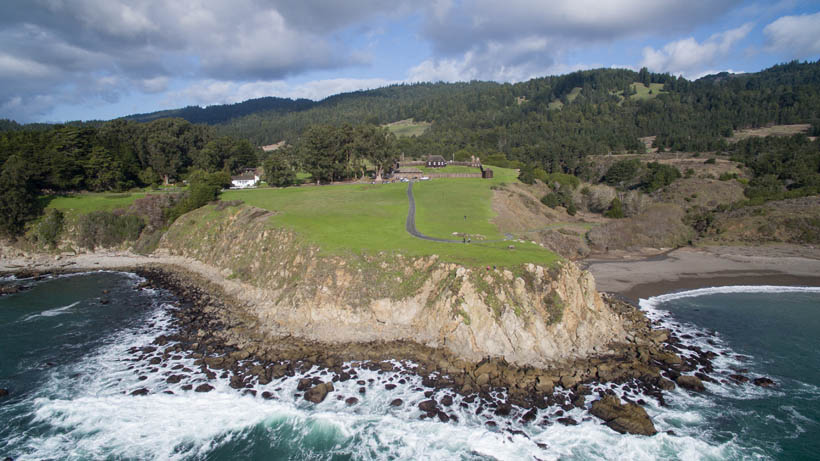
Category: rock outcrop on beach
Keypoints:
(535, 316)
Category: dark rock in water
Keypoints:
(568, 421)
(447, 400)
(187, 387)
(390, 386)
(623, 418)
(739, 378)
(541, 445)
(317, 393)
(104, 301)
(490, 423)
(155, 361)
(362, 390)
(763, 382)
(693, 383)
(665, 384)
(529, 416)
(4, 393)
(267, 395)
(204, 387)
(442, 416)
(249, 392)
(142, 378)
(351, 401)
(503, 409)
(396, 403)
(10, 289)
(428, 406)
(140, 391)
(173, 379)
(304, 384)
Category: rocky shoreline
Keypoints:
(224, 340)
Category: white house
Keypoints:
(244, 180)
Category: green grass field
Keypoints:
(643, 90)
(450, 169)
(75, 205)
(407, 128)
(371, 218)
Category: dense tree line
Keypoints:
(333, 153)
(112, 156)
(553, 123)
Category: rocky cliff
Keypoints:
(532, 315)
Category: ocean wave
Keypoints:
(655, 300)
(51, 312)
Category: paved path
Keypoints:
(411, 220)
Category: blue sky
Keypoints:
(99, 59)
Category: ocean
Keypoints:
(65, 358)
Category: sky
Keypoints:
(64, 60)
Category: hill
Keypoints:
(222, 113)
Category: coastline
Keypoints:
(633, 278)
(218, 329)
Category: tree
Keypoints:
(622, 171)
(278, 173)
(18, 198)
(659, 175)
(375, 144)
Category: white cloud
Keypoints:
(690, 58)
(797, 36)
(494, 61)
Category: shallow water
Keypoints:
(65, 358)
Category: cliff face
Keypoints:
(533, 316)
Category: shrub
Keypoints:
(153, 208)
(107, 229)
(615, 209)
(622, 172)
(50, 227)
(203, 188)
(710, 161)
(563, 180)
(659, 175)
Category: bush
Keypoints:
(615, 210)
(107, 229)
(203, 188)
(710, 161)
(622, 172)
(563, 180)
(153, 208)
(659, 175)
(50, 227)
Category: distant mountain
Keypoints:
(222, 113)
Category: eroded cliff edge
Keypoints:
(536, 316)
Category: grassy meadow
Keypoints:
(450, 169)
(371, 218)
(408, 128)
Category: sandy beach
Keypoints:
(639, 276)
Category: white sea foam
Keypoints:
(94, 416)
(51, 312)
(655, 300)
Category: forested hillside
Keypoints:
(554, 122)
(550, 128)
(222, 113)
